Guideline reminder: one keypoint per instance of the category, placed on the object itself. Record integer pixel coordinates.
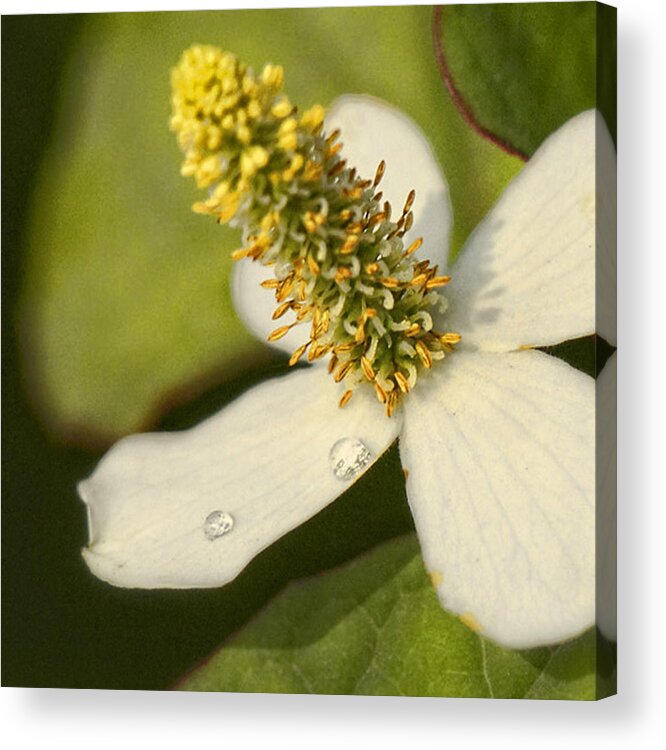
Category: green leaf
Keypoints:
(127, 305)
(375, 627)
(522, 69)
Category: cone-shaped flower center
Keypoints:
(340, 262)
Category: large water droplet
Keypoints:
(349, 457)
(217, 524)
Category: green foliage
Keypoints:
(523, 69)
(375, 627)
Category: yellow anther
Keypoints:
(273, 76)
(390, 283)
(253, 159)
(312, 118)
(298, 353)
(342, 371)
(281, 309)
(414, 246)
(379, 173)
(282, 108)
(391, 402)
(450, 338)
(349, 244)
(419, 280)
(367, 368)
(402, 382)
(437, 281)
(278, 333)
(345, 398)
(424, 354)
(409, 202)
(242, 252)
(312, 221)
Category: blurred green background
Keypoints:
(117, 314)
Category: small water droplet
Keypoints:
(349, 457)
(217, 524)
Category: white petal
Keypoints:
(373, 130)
(526, 276)
(264, 460)
(607, 499)
(255, 306)
(500, 454)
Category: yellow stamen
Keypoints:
(280, 310)
(367, 368)
(278, 333)
(424, 354)
(438, 281)
(379, 173)
(402, 382)
(345, 398)
(298, 353)
(342, 371)
(414, 246)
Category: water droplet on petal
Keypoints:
(349, 457)
(217, 524)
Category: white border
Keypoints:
(104, 719)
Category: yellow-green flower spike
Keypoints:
(340, 260)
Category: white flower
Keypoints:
(498, 440)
